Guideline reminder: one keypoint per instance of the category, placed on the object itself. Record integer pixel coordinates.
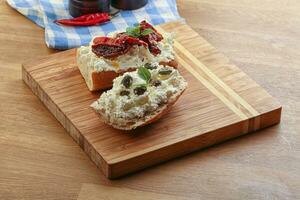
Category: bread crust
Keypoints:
(160, 112)
(171, 63)
(104, 79)
(164, 110)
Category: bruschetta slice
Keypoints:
(140, 97)
(109, 57)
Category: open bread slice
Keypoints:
(141, 97)
(102, 61)
(99, 73)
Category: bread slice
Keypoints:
(99, 72)
(132, 110)
(160, 112)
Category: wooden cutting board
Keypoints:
(221, 102)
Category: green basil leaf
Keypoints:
(144, 73)
(131, 34)
(140, 85)
(129, 29)
(133, 31)
(147, 31)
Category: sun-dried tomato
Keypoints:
(108, 47)
(111, 47)
(152, 38)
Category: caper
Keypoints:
(128, 106)
(150, 66)
(140, 90)
(124, 93)
(165, 71)
(156, 83)
(143, 100)
(127, 81)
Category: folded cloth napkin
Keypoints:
(44, 12)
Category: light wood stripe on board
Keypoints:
(212, 89)
(237, 98)
(216, 79)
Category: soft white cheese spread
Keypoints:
(136, 57)
(121, 109)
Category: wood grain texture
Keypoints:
(96, 192)
(213, 109)
(39, 160)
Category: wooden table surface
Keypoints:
(39, 160)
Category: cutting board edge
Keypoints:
(64, 121)
(115, 169)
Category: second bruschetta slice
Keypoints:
(140, 97)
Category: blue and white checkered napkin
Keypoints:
(44, 12)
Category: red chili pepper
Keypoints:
(86, 20)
